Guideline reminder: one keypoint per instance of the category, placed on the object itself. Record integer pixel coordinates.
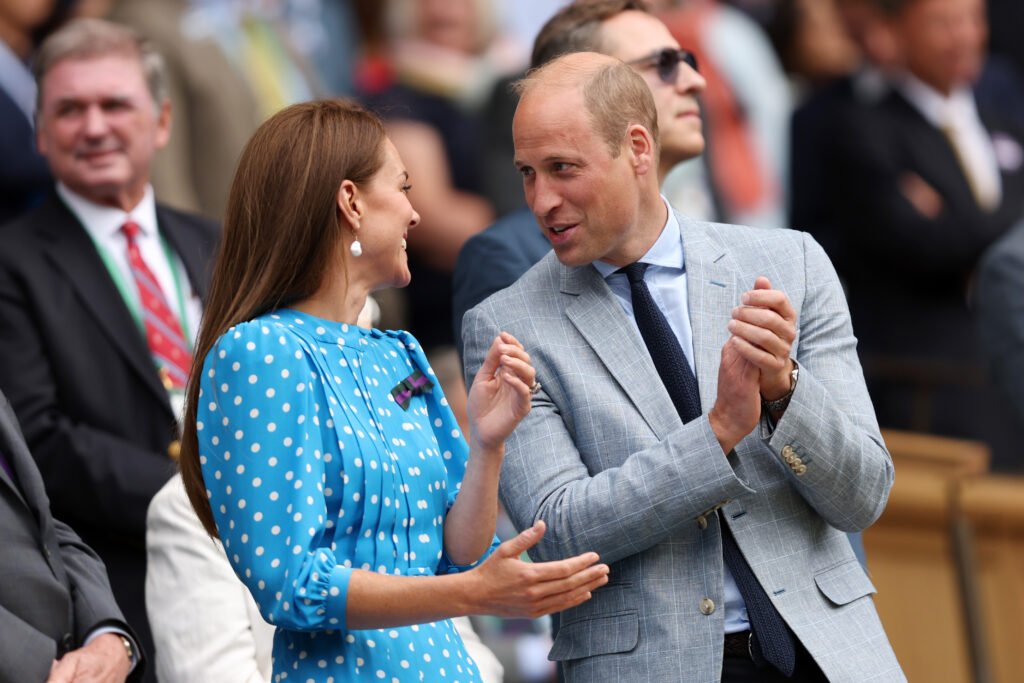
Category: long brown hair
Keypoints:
(282, 231)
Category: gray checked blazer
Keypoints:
(605, 461)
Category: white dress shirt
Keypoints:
(103, 224)
(958, 114)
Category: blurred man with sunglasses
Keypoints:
(626, 30)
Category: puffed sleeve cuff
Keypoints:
(448, 567)
(323, 601)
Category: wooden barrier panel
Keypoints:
(912, 556)
(993, 507)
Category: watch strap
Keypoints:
(782, 402)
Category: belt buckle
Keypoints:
(750, 645)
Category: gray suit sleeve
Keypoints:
(25, 653)
(93, 600)
(830, 420)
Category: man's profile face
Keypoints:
(633, 35)
(943, 41)
(99, 128)
(584, 199)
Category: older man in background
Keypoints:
(100, 292)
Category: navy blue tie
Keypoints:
(772, 642)
(669, 359)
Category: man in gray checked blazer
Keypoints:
(787, 454)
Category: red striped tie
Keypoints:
(163, 331)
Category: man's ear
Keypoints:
(41, 146)
(350, 203)
(163, 125)
(642, 148)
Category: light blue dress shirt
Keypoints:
(666, 279)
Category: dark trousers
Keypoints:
(744, 670)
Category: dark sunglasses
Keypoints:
(666, 63)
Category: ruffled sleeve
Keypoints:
(263, 459)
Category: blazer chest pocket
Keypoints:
(844, 583)
(600, 635)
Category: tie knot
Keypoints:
(131, 230)
(635, 272)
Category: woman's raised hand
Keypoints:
(509, 587)
(500, 395)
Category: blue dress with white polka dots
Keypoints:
(313, 471)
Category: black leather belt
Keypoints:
(737, 645)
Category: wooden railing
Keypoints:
(916, 558)
(993, 510)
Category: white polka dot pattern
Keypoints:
(314, 471)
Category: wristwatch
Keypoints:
(781, 402)
(128, 647)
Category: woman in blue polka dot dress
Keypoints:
(325, 455)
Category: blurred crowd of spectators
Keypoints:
(891, 130)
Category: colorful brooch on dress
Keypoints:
(413, 385)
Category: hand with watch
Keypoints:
(106, 658)
(764, 328)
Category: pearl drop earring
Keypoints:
(356, 248)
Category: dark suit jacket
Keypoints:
(999, 306)
(908, 274)
(812, 196)
(24, 175)
(493, 259)
(79, 375)
(54, 590)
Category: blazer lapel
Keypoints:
(599, 318)
(30, 486)
(73, 253)
(712, 293)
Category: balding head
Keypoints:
(585, 145)
(614, 95)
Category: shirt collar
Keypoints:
(104, 222)
(937, 108)
(666, 252)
